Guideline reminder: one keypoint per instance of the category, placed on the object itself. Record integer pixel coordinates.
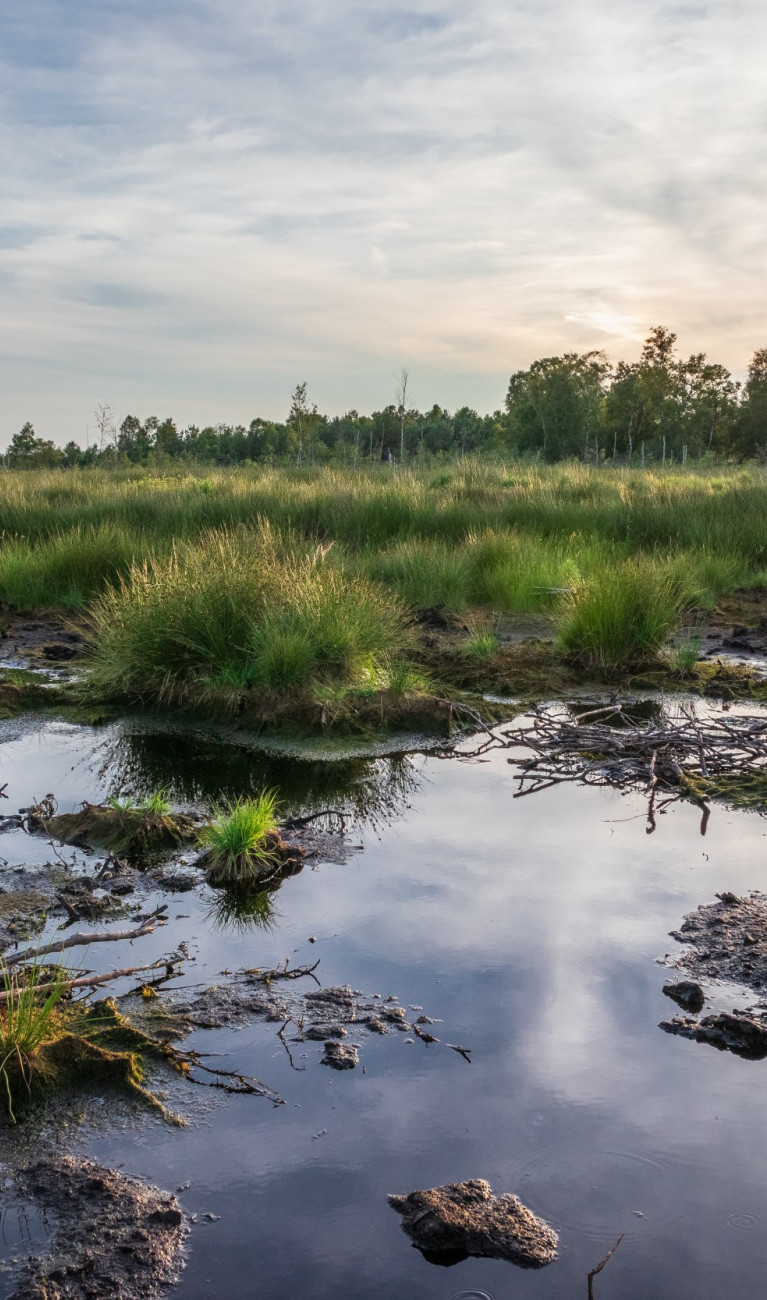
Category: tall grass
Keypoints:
(478, 533)
(30, 999)
(238, 609)
(623, 615)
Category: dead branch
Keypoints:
(84, 939)
(285, 972)
(293, 823)
(93, 981)
(601, 1265)
(605, 746)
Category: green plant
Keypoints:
(401, 678)
(30, 998)
(156, 803)
(481, 645)
(684, 655)
(121, 805)
(622, 615)
(237, 839)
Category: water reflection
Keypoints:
(243, 909)
(199, 768)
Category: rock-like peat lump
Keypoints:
(462, 1219)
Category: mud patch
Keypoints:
(460, 1219)
(112, 1235)
(744, 1033)
(322, 1015)
(727, 940)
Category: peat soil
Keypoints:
(726, 943)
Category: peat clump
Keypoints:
(727, 940)
(275, 861)
(686, 993)
(134, 833)
(112, 1235)
(462, 1219)
(744, 1033)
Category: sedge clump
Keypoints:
(240, 840)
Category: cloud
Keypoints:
(207, 201)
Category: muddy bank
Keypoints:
(725, 940)
(111, 1235)
(133, 832)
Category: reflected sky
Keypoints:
(532, 928)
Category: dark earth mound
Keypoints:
(112, 1235)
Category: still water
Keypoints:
(531, 928)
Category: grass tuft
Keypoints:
(237, 840)
(623, 615)
(31, 997)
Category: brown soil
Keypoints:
(43, 637)
(727, 940)
(113, 1236)
(462, 1219)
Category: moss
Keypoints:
(131, 832)
(18, 697)
(746, 790)
(95, 1046)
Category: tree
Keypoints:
(27, 451)
(556, 406)
(752, 425)
(72, 454)
(303, 422)
(105, 423)
(400, 397)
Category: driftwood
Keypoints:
(677, 755)
(655, 755)
(84, 939)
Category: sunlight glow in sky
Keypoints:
(207, 201)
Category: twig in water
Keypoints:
(462, 1051)
(281, 1036)
(285, 972)
(293, 823)
(601, 1265)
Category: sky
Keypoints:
(205, 202)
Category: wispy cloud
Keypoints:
(204, 202)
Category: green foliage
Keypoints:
(481, 645)
(237, 840)
(684, 655)
(239, 609)
(401, 678)
(622, 615)
(31, 996)
(156, 804)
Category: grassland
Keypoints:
(275, 585)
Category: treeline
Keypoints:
(659, 408)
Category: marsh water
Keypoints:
(531, 928)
